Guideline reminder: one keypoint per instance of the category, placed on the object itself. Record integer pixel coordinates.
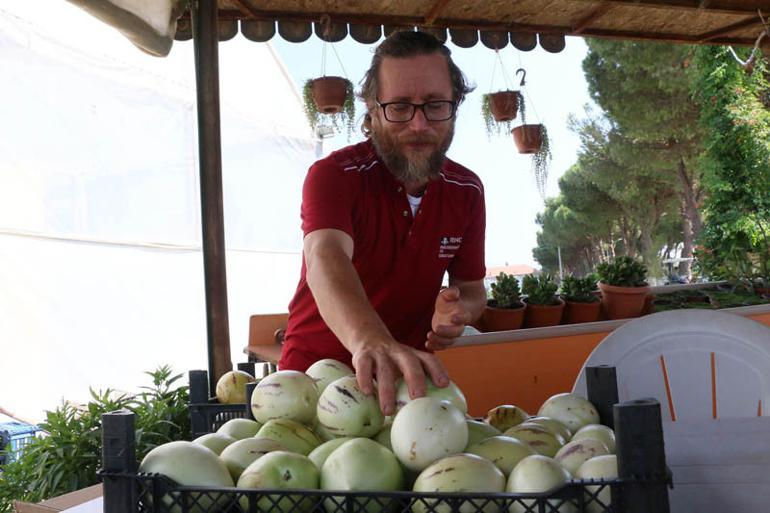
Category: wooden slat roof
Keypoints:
(494, 23)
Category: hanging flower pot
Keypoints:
(533, 140)
(528, 138)
(329, 94)
(330, 99)
(504, 105)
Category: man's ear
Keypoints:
(366, 125)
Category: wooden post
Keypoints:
(206, 41)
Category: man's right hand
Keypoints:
(343, 304)
(386, 361)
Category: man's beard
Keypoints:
(417, 169)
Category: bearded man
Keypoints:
(384, 220)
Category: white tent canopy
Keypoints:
(101, 272)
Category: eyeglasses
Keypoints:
(403, 112)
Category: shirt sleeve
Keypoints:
(468, 263)
(326, 199)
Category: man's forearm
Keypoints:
(341, 298)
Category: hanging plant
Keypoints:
(330, 98)
(499, 109)
(534, 140)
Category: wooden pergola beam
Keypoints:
(246, 9)
(599, 11)
(435, 11)
(717, 6)
(748, 22)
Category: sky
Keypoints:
(555, 88)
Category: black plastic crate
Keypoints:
(158, 494)
(641, 488)
(206, 413)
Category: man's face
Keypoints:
(414, 151)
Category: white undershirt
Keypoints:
(414, 202)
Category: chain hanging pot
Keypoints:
(329, 94)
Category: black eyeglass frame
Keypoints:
(416, 106)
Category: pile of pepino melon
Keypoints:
(317, 430)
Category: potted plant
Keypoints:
(544, 307)
(330, 97)
(623, 283)
(581, 302)
(504, 311)
(500, 108)
(533, 140)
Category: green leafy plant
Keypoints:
(579, 290)
(506, 292)
(540, 290)
(345, 118)
(623, 271)
(68, 455)
(541, 161)
(496, 127)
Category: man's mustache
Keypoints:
(418, 139)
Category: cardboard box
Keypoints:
(63, 502)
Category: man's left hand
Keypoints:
(449, 319)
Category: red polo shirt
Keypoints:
(401, 259)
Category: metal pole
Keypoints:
(205, 38)
(561, 271)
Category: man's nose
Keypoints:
(419, 121)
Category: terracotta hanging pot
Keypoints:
(502, 319)
(576, 313)
(623, 302)
(504, 105)
(329, 94)
(539, 316)
(528, 138)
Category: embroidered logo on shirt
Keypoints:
(448, 246)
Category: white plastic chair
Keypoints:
(710, 371)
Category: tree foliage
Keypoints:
(736, 164)
(682, 134)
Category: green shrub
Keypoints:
(579, 290)
(505, 291)
(68, 456)
(623, 271)
(540, 290)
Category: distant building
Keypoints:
(518, 270)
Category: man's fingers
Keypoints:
(437, 343)
(363, 367)
(386, 379)
(450, 293)
(451, 331)
(411, 369)
(435, 368)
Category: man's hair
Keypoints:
(403, 44)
